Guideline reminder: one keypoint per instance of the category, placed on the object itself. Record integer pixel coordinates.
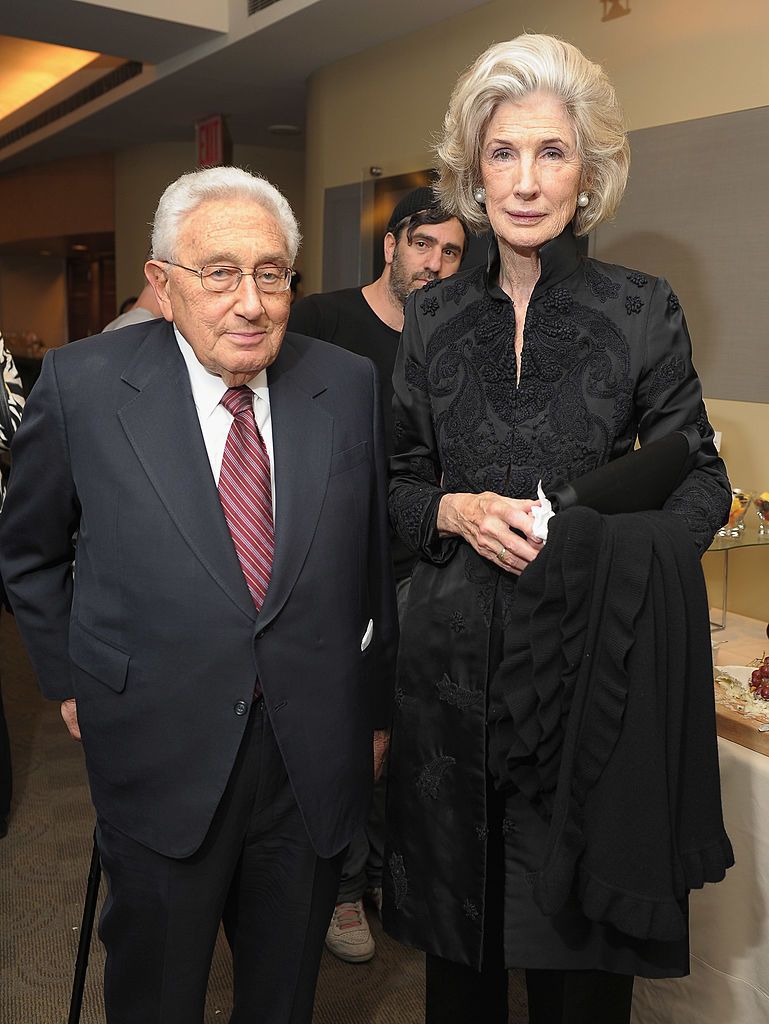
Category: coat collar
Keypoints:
(161, 424)
(558, 259)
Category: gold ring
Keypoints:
(501, 553)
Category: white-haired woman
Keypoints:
(542, 365)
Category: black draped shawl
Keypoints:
(602, 714)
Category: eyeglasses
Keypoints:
(269, 280)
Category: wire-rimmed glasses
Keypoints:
(270, 280)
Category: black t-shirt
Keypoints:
(347, 320)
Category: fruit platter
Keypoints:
(741, 500)
(742, 704)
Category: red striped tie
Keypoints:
(246, 493)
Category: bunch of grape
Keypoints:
(759, 680)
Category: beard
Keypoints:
(402, 283)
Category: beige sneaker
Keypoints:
(348, 935)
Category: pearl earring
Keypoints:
(479, 195)
(583, 199)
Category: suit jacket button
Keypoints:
(240, 707)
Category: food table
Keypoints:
(729, 926)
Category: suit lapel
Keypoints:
(162, 426)
(302, 440)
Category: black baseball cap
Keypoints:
(416, 201)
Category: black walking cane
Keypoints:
(86, 928)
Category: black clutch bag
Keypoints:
(641, 480)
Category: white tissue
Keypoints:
(541, 515)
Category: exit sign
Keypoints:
(211, 140)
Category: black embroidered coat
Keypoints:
(606, 358)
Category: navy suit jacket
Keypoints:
(155, 634)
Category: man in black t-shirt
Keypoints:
(421, 244)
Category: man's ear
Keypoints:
(390, 243)
(157, 275)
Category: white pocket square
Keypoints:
(367, 635)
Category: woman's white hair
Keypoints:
(507, 72)
(192, 190)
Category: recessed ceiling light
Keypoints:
(78, 247)
(45, 252)
(284, 129)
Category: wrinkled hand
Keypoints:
(487, 521)
(381, 746)
(69, 714)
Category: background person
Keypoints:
(543, 365)
(144, 308)
(422, 243)
(226, 482)
(11, 408)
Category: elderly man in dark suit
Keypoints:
(214, 646)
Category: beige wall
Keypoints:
(64, 197)
(669, 62)
(284, 168)
(143, 172)
(33, 297)
(745, 449)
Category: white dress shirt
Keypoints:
(215, 421)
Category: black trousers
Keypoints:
(457, 994)
(256, 871)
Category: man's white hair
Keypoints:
(192, 190)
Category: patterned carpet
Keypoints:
(43, 870)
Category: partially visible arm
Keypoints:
(14, 394)
(669, 397)
(487, 521)
(39, 520)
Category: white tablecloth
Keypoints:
(729, 927)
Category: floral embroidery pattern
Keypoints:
(399, 696)
(457, 622)
(471, 910)
(431, 775)
(455, 291)
(400, 881)
(694, 501)
(633, 304)
(416, 375)
(558, 300)
(674, 303)
(482, 832)
(508, 826)
(639, 280)
(456, 695)
(601, 286)
(703, 423)
(429, 306)
(665, 377)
